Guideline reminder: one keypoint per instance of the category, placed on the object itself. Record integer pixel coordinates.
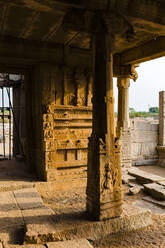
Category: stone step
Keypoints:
(127, 178)
(144, 177)
(10, 186)
(59, 185)
(77, 243)
(157, 191)
(24, 246)
(68, 227)
(11, 221)
(28, 198)
(155, 202)
(145, 162)
(19, 208)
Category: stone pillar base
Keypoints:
(104, 198)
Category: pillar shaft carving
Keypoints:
(162, 118)
(123, 121)
(123, 104)
(104, 198)
(161, 145)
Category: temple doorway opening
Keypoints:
(12, 128)
(12, 115)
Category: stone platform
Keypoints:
(77, 243)
(71, 227)
(23, 215)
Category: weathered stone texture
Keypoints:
(144, 140)
(131, 219)
(156, 190)
(161, 145)
(77, 243)
(144, 177)
(62, 120)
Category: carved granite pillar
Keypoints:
(123, 102)
(123, 121)
(162, 118)
(104, 197)
(161, 145)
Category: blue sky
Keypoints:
(144, 93)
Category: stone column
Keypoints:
(16, 109)
(162, 118)
(104, 198)
(123, 121)
(161, 145)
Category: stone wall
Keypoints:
(61, 117)
(144, 140)
(59, 122)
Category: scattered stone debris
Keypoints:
(153, 201)
(144, 177)
(126, 178)
(134, 190)
(157, 191)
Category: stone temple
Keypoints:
(69, 51)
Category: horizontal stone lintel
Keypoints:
(67, 164)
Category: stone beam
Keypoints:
(151, 11)
(27, 53)
(150, 50)
(48, 6)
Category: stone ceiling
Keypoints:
(42, 20)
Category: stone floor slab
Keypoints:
(7, 201)
(77, 243)
(144, 177)
(10, 214)
(67, 228)
(38, 216)
(12, 234)
(157, 191)
(162, 183)
(156, 202)
(24, 246)
(28, 198)
(10, 218)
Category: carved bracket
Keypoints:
(124, 71)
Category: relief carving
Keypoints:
(48, 134)
(110, 177)
(81, 84)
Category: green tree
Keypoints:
(154, 110)
(132, 110)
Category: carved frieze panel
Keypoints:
(66, 134)
(48, 117)
(71, 144)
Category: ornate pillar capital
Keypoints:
(123, 83)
